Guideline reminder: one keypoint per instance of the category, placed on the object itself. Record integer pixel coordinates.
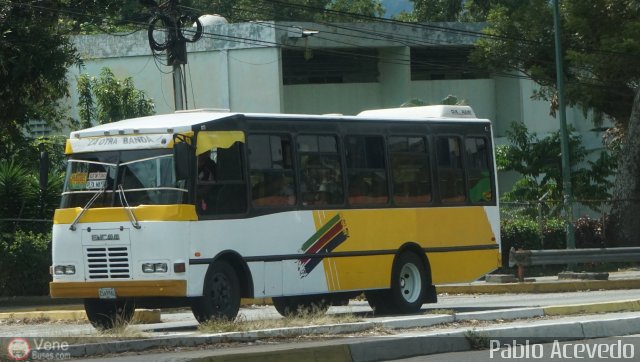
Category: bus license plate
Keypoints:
(107, 293)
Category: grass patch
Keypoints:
(477, 340)
(121, 329)
(18, 321)
(301, 319)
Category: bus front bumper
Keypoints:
(131, 288)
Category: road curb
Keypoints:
(540, 287)
(594, 308)
(140, 316)
(339, 353)
(406, 347)
(390, 347)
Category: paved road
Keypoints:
(616, 348)
(181, 323)
(372, 347)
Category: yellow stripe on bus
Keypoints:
(116, 214)
(132, 288)
(389, 229)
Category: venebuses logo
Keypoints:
(18, 349)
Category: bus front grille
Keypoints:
(110, 262)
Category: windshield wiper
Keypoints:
(125, 204)
(86, 207)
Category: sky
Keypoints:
(394, 7)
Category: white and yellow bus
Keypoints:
(203, 208)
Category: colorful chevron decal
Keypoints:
(327, 238)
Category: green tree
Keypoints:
(366, 8)
(602, 44)
(537, 160)
(22, 197)
(34, 58)
(96, 16)
(114, 99)
(449, 10)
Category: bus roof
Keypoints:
(423, 112)
(183, 121)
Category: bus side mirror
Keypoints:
(183, 157)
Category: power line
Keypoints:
(398, 61)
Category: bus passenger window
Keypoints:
(366, 170)
(410, 170)
(271, 170)
(450, 171)
(320, 172)
(478, 170)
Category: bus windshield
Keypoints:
(145, 176)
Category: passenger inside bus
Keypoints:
(276, 189)
(206, 167)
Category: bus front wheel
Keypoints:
(108, 314)
(221, 294)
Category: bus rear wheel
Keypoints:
(221, 294)
(300, 305)
(108, 314)
(407, 293)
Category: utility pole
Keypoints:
(172, 20)
(564, 136)
(176, 55)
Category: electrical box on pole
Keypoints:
(168, 19)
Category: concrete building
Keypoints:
(314, 68)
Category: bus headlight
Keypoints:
(64, 269)
(154, 267)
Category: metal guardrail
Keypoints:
(572, 256)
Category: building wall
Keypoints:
(349, 99)
(255, 80)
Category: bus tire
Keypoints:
(107, 314)
(220, 296)
(300, 305)
(408, 280)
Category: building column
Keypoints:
(395, 76)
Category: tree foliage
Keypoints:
(114, 99)
(449, 10)
(601, 40)
(89, 16)
(34, 58)
(538, 161)
(289, 10)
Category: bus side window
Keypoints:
(271, 170)
(320, 172)
(478, 170)
(450, 170)
(410, 170)
(221, 187)
(366, 172)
